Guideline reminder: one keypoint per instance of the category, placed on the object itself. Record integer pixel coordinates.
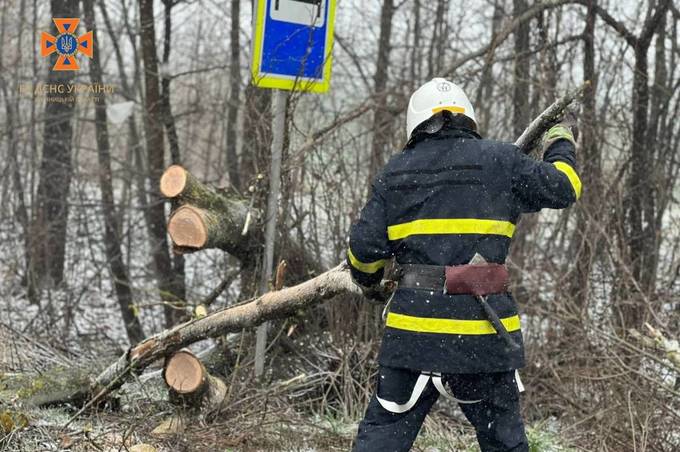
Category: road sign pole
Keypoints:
(292, 42)
(279, 101)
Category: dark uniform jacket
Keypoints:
(444, 198)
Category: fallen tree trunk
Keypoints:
(271, 305)
(191, 385)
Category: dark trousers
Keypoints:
(496, 418)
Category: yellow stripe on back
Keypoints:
(574, 180)
(448, 326)
(450, 226)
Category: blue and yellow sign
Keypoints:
(292, 44)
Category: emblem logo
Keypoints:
(444, 87)
(66, 44)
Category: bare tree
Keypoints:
(112, 242)
(178, 281)
(153, 121)
(641, 201)
(50, 212)
(381, 117)
(234, 89)
(586, 233)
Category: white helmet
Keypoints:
(434, 96)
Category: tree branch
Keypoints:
(550, 116)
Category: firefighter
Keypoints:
(446, 209)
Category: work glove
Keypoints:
(564, 130)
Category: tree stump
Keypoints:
(191, 385)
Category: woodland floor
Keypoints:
(282, 431)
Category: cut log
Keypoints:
(181, 186)
(195, 228)
(174, 180)
(217, 219)
(191, 385)
(203, 217)
(188, 228)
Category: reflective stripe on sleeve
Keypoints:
(448, 326)
(450, 226)
(366, 267)
(574, 180)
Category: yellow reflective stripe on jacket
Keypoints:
(448, 326)
(450, 226)
(366, 267)
(571, 174)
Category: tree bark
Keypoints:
(382, 117)
(521, 117)
(50, 216)
(234, 88)
(586, 233)
(484, 104)
(173, 141)
(439, 39)
(167, 285)
(114, 255)
(257, 138)
(415, 50)
(168, 118)
(136, 164)
(12, 113)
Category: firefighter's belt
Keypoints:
(472, 279)
(478, 280)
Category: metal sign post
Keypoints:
(291, 51)
(278, 124)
